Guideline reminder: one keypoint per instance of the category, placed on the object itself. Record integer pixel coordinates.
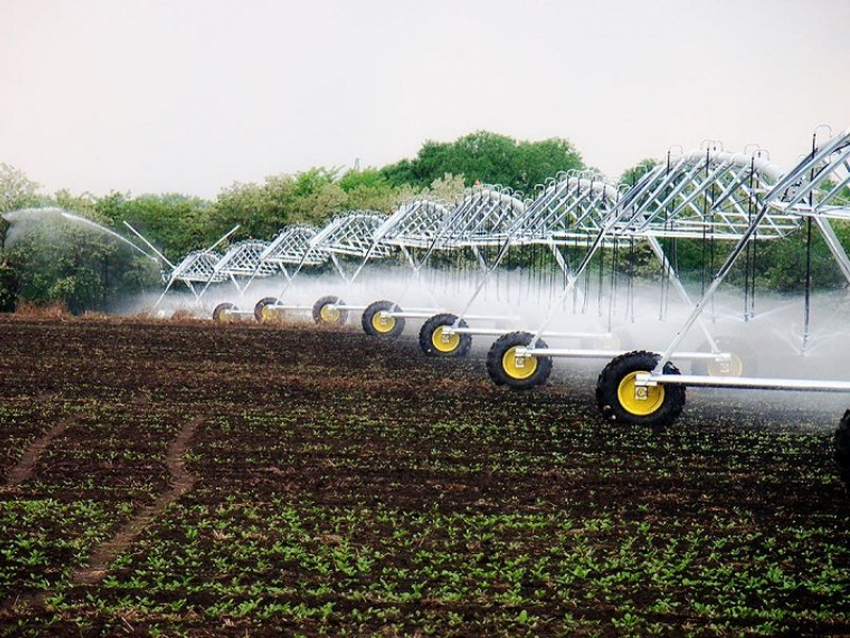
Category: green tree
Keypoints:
(782, 263)
(57, 260)
(369, 190)
(318, 197)
(8, 285)
(480, 157)
(263, 209)
(16, 191)
(252, 206)
(448, 188)
(631, 175)
(84, 205)
(486, 158)
(173, 222)
(537, 161)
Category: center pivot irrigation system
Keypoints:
(709, 195)
(347, 237)
(646, 387)
(422, 231)
(567, 213)
(415, 233)
(724, 202)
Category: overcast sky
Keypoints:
(191, 95)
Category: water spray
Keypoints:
(112, 233)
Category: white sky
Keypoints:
(190, 95)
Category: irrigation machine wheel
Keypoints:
(743, 361)
(621, 401)
(222, 312)
(263, 313)
(324, 311)
(376, 324)
(517, 372)
(841, 448)
(433, 341)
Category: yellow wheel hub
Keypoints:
(732, 367)
(444, 342)
(268, 313)
(638, 399)
(329, 314)
(383, 323)
(518, 367)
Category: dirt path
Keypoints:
(181, 482)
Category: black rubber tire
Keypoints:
(262, 303)
(609, 382)
(446, 319)
(220, 309)
(325, 301)
(739, 347)
(841, 448)
(496, 355)
(382, 306)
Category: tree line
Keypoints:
(49, 259)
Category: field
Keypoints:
(182, 478)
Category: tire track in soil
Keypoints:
(24, 468)
(23, 471)
(181, 482)
(97, 567)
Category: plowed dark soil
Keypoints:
(204, 479)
